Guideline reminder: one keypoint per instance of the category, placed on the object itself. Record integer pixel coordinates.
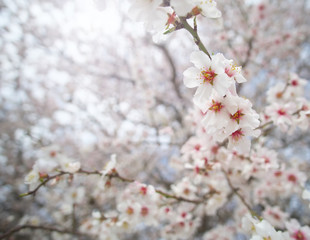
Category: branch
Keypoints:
(248, 54)
(47, 179)
(112, 175)
(195, 35)
(167, 195)
(45, 228)
(173, 69)
(235, 191)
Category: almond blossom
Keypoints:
(208, 75)
(207, 8)
(296, 231)
(240, 139)
(281, 115)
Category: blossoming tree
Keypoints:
(103, 139)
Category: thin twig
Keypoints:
(235, 191)
(45, 228)
(167, 195)
(195, 35)
(112, 175)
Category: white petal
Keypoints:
(202, 96)
(240, 79)
(191, 77)
(200, 59)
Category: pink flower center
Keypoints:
(144, 211)
(281, 112)
(278, 173)
(186, 191)
(294, 83)
(229, 72)
(292, 178)
(143, 190)
(299, 235)
(130, 211)
(182, 224)
(208, 76)
(279, 94)
(216, 106)
(236, 116)
(53, 153)
(237, 135)
(108, 184)
(275, 215)
(197, 147)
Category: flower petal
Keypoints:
(200, 59)
(191, 77)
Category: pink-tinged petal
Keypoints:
(191, 77)
(200, 59)
(231, 127)
(240, 79)
(202, 96)
(242, 145)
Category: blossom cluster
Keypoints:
(287, 108)
(218, 167)
(226, 114)
(161, 18)
(50, 162)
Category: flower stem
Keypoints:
(193, 32)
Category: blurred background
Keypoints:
(83, 76)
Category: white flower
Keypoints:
(276, 93)
(182, 7)
(217, 115)
(296, 231)
(45, 165)
(71, 167)
(185, 189)
(208, 8)
(110, 166)
(239, 140)
(207, 75)
(282, 114)
(149, 12)
(68, 165)
(275, 216)
(32, 179)
(129, 211)
(248, 223)
(262, 229)
(241, 114)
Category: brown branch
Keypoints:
(47, 179)
(195, 35)
(248, 53)
(112, 175)
(236, 192)
(181, 199)
(173, 69)
(33, 227)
